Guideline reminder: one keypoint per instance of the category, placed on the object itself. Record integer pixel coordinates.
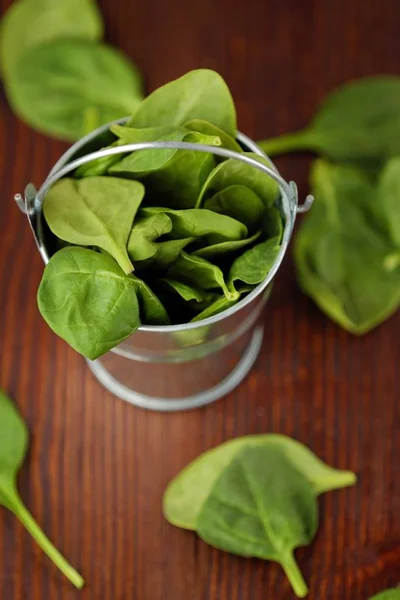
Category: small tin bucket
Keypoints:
(176, 367)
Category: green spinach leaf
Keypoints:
(174, 175)
(388, 202)
(152, 311)
(98, 166)
(341, 252)
(217, 306)
(197, 223)
(30, 23)
(188, 293)
(87, 300)
(232, 172)
(133, 135)
(391, 594)
(222, 249)
(200, 94)
(95, 211)
(261, 506)
(240, 203)
(359, 122)
(13, 449)
(67, 87)
(198, 271)
(208, 128)
(143, 247)
(253, 266)
(187, 492)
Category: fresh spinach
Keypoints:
(261, 506)
(199, 223)
(254, 496)
(188, 293)
(152, 311)
(68, 87)
(30, 23)
(233, 172)
(187, 492)
(133, 135)
(388, 202)
(217, 306)
(144, 248)
(214, 251)
(98, 166)
(13, 449)
(342, 251)
(175, 175)
(359, 122)
(391, 594)
(240, 203)
(198, 271)
(87, 299)
(208, 128)
(200, 94)
(253, 266)
(95, 211)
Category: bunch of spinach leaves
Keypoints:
(13, 449)
(198, 233)
(255, 496)
(58, 76)
(347, 251)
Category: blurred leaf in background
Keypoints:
(57, 75)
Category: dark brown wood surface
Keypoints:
(97, 467)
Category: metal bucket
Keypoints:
(176, 367)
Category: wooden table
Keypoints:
(97, 467)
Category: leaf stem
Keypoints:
(23, 514)
(295, 576)
(297, 140)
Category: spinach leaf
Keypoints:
(200, 94)
(253, 266)
(145, 230)
(13, 449)
(388, 203)
(272, 223)
(219, 305)
(224, 248)
(391, 594)
(152, 311)
(210, 129)
(98, 166)
(133, 135)
(233, 172)
(261, 506)
(64, 86)
(143, 248)
(174, 175)
(196, 223)
(29, 23)
(240, 203)
(95, 211)
(198, 271)
(188, 293)
(187, 492)
(87, 300)
(359, 122)
(341, 252)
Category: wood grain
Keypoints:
(97, 467)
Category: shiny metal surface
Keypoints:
(178, 366)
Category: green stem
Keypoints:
(295, 577)
(23, 514)
(297, 140)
